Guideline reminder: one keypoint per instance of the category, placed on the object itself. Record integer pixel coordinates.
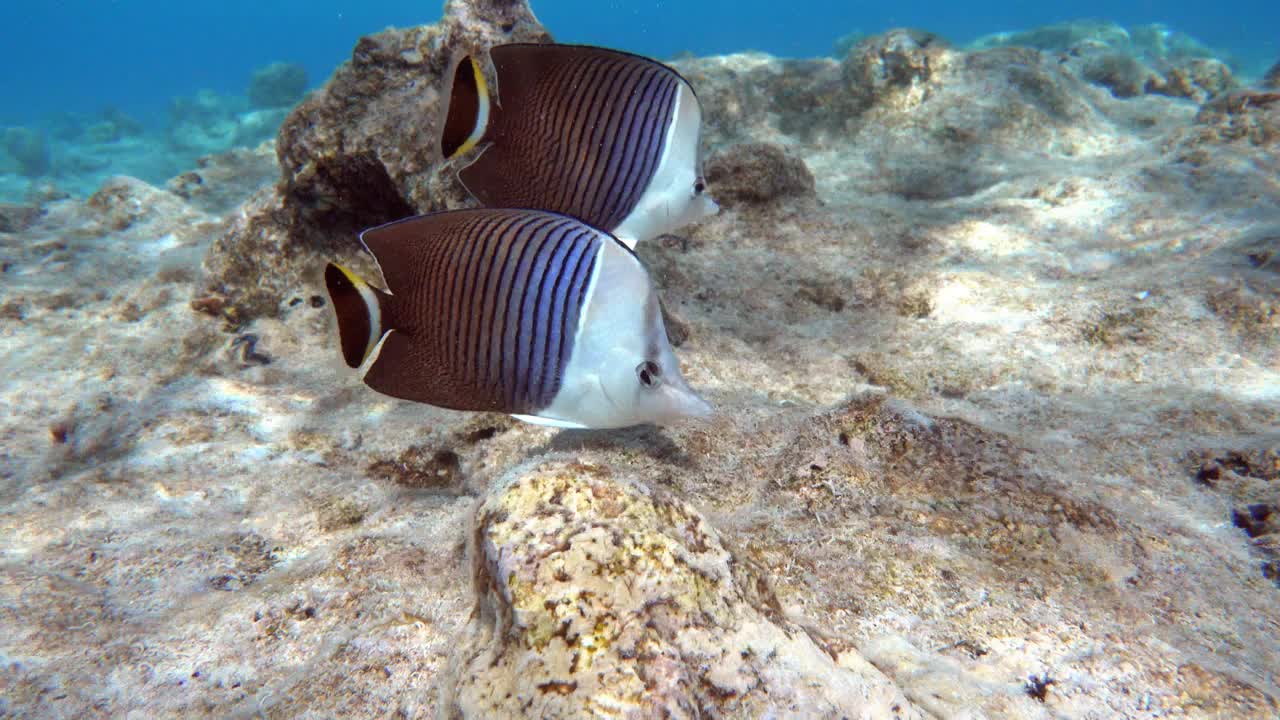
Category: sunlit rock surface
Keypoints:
(597, 597)
(998, 429)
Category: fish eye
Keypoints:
(699, 187)
(649, 373)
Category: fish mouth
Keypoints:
(688, 404)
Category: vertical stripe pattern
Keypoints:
(580, 130)
(484, 306)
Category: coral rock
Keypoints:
(1119, 72)
(358, 152)
(596, 596)
(221, 182)
(892, 64)
(757, 173)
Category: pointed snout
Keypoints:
(683, 403)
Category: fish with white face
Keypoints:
(610, 138)
(525, 312)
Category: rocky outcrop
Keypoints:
(599, 596)
(1147, 59)
(758, 174)
(358, 152)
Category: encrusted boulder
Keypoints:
(758, 174)
(1249, 116)
(597, 596)
(220, 182)
(15, 218)
(756, 97)
(356, 153)
(895, 67)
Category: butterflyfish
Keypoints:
(525, 312)
(607, 137)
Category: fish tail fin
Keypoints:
(358, 306)
(467, 109)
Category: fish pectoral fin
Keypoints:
(550, 422)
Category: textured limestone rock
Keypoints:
(599, 597)
(123, 201)
(893, 68)
(1250, 116)
(936, 122)
(753, 96)
(1059, 37)
(358, 152)
(221, 182)
(1124, 75)
(757, 174)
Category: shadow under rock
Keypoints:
(647, 439)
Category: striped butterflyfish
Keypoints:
(604, 136)
(524, 312)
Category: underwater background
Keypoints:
(149, 68)
(84, 55)
(989, 318)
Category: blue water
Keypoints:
(82, 55)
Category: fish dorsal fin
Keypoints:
(466, 116)
(401, 248)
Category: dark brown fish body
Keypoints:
(495, 310)
(607, 137)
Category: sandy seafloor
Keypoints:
(974, 440)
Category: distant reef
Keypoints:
(77, 152)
